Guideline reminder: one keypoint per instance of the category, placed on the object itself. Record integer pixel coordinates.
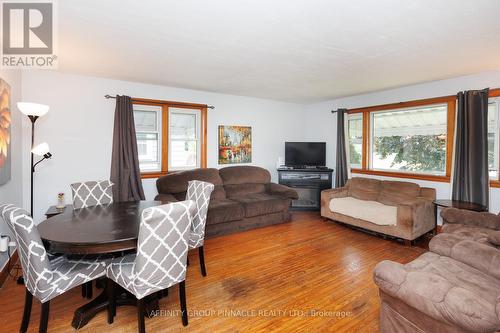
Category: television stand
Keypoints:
(308, 182)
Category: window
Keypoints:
(184, 139)
(410, 140)
(170, 136)
(493, 140)
(405, 140)
(148, 132)
(355, 130)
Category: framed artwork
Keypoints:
(5, 124)
(235, 144)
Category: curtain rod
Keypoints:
(173, 104)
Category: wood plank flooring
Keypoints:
(305, 276)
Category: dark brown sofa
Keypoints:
(244, 197)
(453, 288)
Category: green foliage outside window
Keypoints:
(417, 152)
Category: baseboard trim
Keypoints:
(5, 273)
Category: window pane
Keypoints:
(183, 154)
(493, 140)
(411, 140)
(148, 150)
(355, 130)
(182, 126)
(146, 121)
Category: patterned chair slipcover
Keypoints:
(199, 192)
(88, 194)
(160, 261)
(44, 278)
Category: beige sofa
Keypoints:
(399, 209)
(454, 288)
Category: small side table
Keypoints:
(458, 204)
(53, 210)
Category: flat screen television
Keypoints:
(305, 154)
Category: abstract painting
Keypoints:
(5, 124)
(235, 144)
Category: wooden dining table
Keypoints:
(104, 229)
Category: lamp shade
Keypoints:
(41, 149)
(33, 109)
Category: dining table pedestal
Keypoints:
(100, 303)
(110, 230)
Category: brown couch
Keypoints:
(243, 198)
(453, 288)
(399, 209)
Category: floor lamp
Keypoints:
(35, 111)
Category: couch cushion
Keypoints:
(444, 289)
(176, 183)
(395, 192)
(240, 190)
(482, 256)
(470, 232)
(371, 211)
(244, 174)
(224, 210)
(494, 238)
(364, 188)
(462, 216)
(262, 204)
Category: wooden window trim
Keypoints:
(165, 105)
(450, 101)
(495, 183)
(450, 137)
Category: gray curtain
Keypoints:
(470, 178)
(341, 172)
(125, 172)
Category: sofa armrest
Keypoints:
(340, 192)
(282, 191)
(389, 276)
(166, 198)
(428, 193)
(417, 214)
(328, 195)
(471, 218)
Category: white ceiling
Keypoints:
(298, 51)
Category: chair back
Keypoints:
(88, 194)
(199, 192)
(37, 270)
(162, 247)
(4, 210)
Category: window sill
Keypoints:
(495, 183)
(157, 174)
(434, 178)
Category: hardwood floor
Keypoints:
(270, 278)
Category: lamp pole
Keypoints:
(33, 120)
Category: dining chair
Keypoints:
(93, 193)
(88, 194)
(44, 278)
(199, 192)
(160, 261)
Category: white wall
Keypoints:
(79, 128)
(320, 124)
(11, 192)
(79, 125)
